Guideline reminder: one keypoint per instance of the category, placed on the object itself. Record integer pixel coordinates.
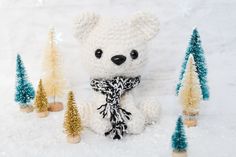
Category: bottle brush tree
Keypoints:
(195, 48)
(54, 82)
(179, 140)
(24, 90)
(41, 102)
(190, 90)
(72, 121)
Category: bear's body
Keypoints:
(111, 48)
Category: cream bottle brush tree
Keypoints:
(54, 81)
(190, 93)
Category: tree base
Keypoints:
(179, 154)
(27, 108)
(42, 114)
(190, 118)
(187, 113)
(55, 107)
(190, 123)
(73, 139)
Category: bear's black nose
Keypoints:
(118, 59)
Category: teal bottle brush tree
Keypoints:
(179, 140)
(24, 90)
(195, 48)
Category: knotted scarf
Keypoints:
(113, 90)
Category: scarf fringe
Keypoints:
(113, 90)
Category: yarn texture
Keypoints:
(113, 51)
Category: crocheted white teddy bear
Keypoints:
(113, 51)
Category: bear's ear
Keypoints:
(145, 23)
(84, 24)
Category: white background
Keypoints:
(24, 26)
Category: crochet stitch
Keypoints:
(114, 89)
(111, 47)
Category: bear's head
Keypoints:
(115, 47)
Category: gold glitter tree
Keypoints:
(41, 102)
(72, 121)
(190, 93)
(53, 77)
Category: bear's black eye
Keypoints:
(98, 53)
(134, 54)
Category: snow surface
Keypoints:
(24, 26)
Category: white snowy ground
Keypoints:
(23, 28)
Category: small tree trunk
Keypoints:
(54, 99)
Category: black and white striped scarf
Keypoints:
(113, 90)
